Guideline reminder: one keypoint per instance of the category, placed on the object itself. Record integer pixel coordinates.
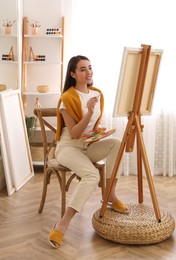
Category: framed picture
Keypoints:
(128, 81)
(16, 154)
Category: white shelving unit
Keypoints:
(11, 70)
(50, 71)
(22, 74)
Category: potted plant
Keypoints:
(34, 26)
(7, 25)
(30, 123)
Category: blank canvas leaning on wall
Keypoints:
(15, 146)
(6, 165)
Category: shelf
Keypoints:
(54, 36)
(42, 62)
(38, 128)
(38, 163)
(40, 94)
(8, 62)
(8, 35)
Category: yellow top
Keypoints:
(72, 103)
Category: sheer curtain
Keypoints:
(100, 30)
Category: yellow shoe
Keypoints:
(55, 237)
(119, 207)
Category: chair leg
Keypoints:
(63, 193)
(102, 179)
(45, 185)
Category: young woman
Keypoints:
(80, 109)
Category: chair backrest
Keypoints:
(48, 143)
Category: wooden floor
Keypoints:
(24, 232)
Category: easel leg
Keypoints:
(117, 163)
(113, 176)
(139, 170)
(147, 169)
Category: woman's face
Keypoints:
(83, 73)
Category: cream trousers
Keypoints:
(79, 159)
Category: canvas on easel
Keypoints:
(128, 81)
(134, 98)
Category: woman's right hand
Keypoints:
(91, 104)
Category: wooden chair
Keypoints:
(64, 175)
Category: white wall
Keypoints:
(102, 28)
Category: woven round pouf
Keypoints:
(139, 227)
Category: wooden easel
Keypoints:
(11, 54)
(31, 54)
(134, 128)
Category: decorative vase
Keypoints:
(6, 30)
(35, 30)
